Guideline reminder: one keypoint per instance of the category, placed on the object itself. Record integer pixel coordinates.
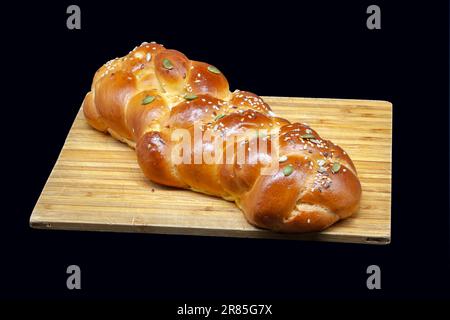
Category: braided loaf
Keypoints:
(142, 98)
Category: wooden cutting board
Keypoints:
(96, 183)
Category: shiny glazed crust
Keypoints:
(315, 185)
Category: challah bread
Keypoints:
(144, 97)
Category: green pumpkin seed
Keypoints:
(213, 69)
(335, 168)
(307, 136)
(190, 96)
(287, 171)
(148, 99)
(167, 64)
(220, 116)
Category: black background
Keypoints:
(313, 49)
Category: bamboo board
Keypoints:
(96, 183)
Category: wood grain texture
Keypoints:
(96, 183)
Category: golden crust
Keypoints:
(143, 97)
